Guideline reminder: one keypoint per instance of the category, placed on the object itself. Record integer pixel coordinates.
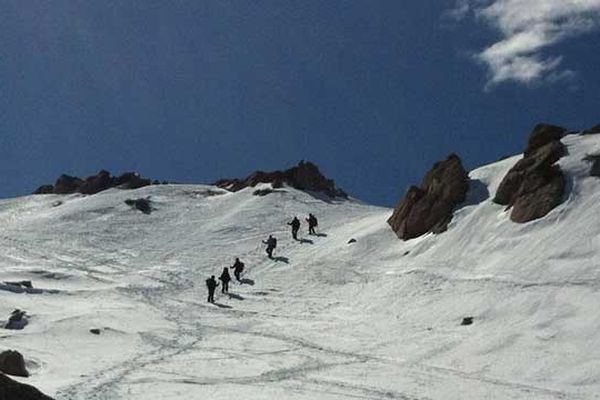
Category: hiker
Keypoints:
(295, 224)
(225, 278)
(211, 284)
(312, 223)
(271, 243)
(238, 268)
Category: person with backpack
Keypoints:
(225, 278)
(312, 224)
(271, 243)
(238, 268)
(211, 284)
(295, 224)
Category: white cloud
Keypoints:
(460, 10)
(528, 28)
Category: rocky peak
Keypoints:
(304, 176)
(66, 184)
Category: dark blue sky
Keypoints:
(372, 91)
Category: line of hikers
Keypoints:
(238, 266)
(225, 278)
(312, 224)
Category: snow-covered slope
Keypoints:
(378, 318)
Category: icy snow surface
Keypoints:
(379, 318)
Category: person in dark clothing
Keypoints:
(211, 284)
(238, 268)
(295, 224)
(225, 278)
(271, 243)
(312, 224)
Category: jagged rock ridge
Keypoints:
(305, 176)
(535, 185)
(67, 184)
(429, 208)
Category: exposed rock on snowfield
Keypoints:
(67, 184)
(12, 390)
(595, 160)
(142, 204)
(17, 320)
(305, 176)
(535, 185)
(429, 208)
(13, 363)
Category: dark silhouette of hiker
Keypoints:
(225, 278)
(211, 284)
(312, 224)
(238, 268)
(271, 243)
(295, 224)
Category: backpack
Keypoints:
(274, 242)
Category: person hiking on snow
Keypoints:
(271, 243)
(295, 224)
(238, 268)
(312, 224)
(225, 278)
(211, 284)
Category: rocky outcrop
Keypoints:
(535, 185)
(542, 135)
(142, 204)
(13, 390)
(594, 159)
(13, 363)
(67, 184)
(17, 320)
(429, 208)
(305, 176)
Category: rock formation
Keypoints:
(535, 185)
(17, 320)
(429, 208)
(67, 184)
(13, 363)
(13, 390)
(142, 204)
(305, 176)
(594, 159)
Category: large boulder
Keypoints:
(13, 363)
(535, 185)
(13, 390)
(429, 208)
(543, 134)
(305, 176)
